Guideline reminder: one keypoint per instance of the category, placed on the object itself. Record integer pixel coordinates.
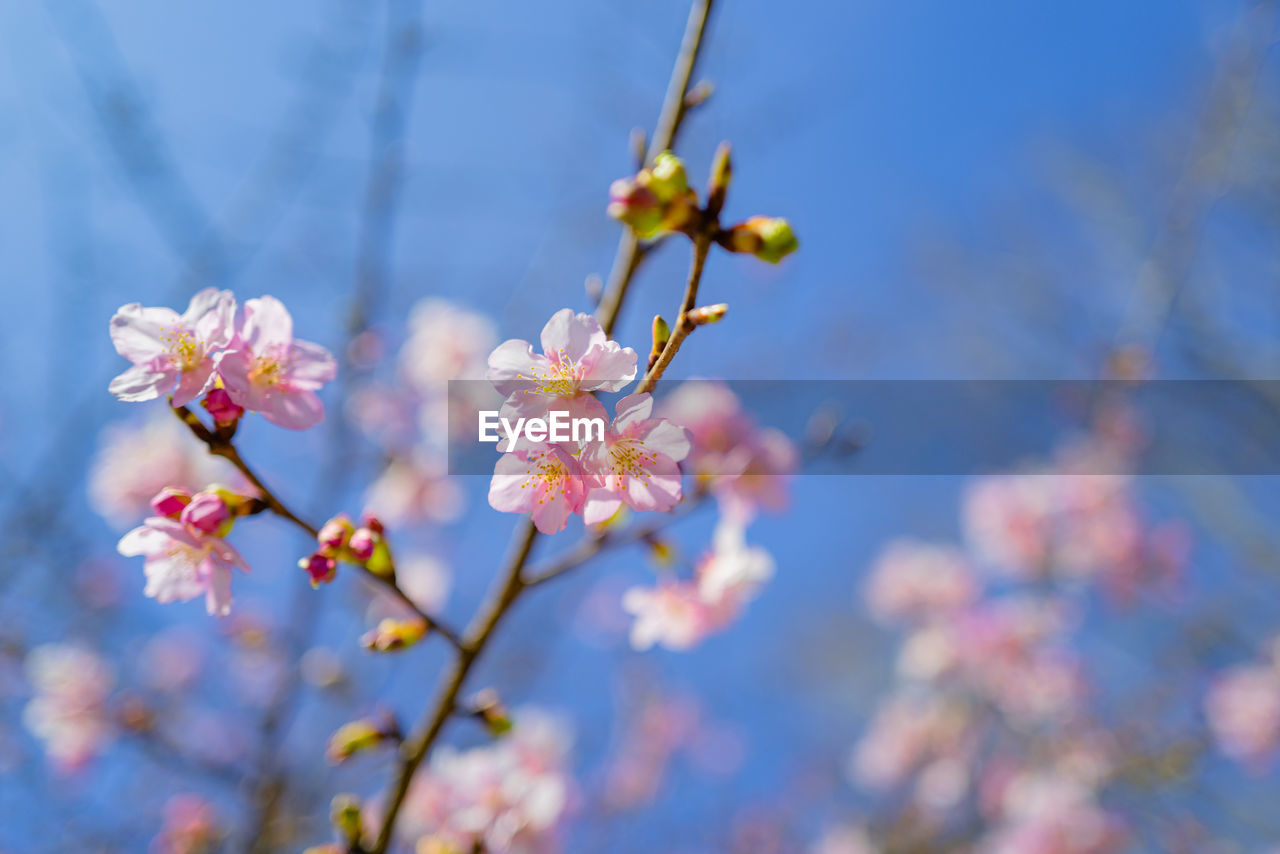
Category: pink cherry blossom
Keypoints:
(508, 797)
(415, 488)
(917, 581)
(1243, 710)
(679, 614)
(542, 480)
(171, 353)
(576, 360)
(748, 469)
(182, 562)
(191, 826)
(672, 615)
(68, 710)
(636, 464)
(265, 369)
(446, 342)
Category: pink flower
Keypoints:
(415, 489)
(680, 614)
(266, 370)
(183, 562)
(446, 342)
(576, 360)
(1243, 709)
(219, 404)
(191, 826)
(171, 353)
(636, 463)
(544, 481)
(914, 581)
(68, 711)
(672, 615)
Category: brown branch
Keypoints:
(512, 581)
(225, 448)
(701, 245)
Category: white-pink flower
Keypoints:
(182, 563)
(265, 369)
(542, 480)
(912, 580)
(171, 352)
(636, 464)
(679, 614)
(1243, 710)
(68, 710)
(577, 359)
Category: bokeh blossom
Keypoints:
(1243, 711)
(191, 826)
(68, 709)
(267, 370)
(171, 353)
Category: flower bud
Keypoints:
(344, 814)
(391, 635)
(656, 200)
(362, 544)
(220, 405)
(489, 709)
(321, 568)
(373, 523)
(208, 512)
(352, 738)
(661, 335)
(335, 534)
(768, 238)
(170, 501)
(635, 206)
(721, 173)
(708, 314)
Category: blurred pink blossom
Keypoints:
(911, 580)
(191, 826)
(68, 710)
(414, 489)
(1243, 711)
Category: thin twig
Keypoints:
(512, 581)
(701, 245)
(224, 448)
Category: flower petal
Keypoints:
(571, 335)
(138, 332)
(141, 382)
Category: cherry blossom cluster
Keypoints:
(637, 462)
(244, 359)
(510, 795)
(69, 710)
(990, 709)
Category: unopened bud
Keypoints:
(768, 238)
(636, 206)
(661, 335)
(344, 814)
(207, 511)
(321, 568)
(373, 523)
(352, 738)
(656, 199)
(721, 173)
(489, 708)
(219, 404)
(362, 544)
(391, 635)
(335, 534)
(708, 314)
(170, 501)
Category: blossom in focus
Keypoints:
(914, 581)
(265, 369)
(636, 464)
(544, 481)
(171, 353)
(68, 709)
(507, 797)
(1243, 711)
(183, 562)
(191, 826)
(135, 460)
(577, 359)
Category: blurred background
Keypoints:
(1004, 190)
